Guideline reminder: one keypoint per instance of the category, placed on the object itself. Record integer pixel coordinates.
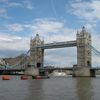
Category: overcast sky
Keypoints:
(54, 20)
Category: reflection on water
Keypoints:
(35, 90)
(52, 89)
(84, 88)
(65, 88)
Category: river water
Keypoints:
(58, 88)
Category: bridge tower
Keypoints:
(36, 55)
(83, 54)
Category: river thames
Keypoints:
(57, 88)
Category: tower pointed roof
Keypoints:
(83, 31)
(83, 28)
(37, 37)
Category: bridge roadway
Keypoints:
(56, 45)
(67, 68)
(44, 68)
(11, 70)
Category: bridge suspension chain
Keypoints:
(95, 51)
(20, 63)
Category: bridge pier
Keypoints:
(92, 73)
(32, 71)
(83, 72)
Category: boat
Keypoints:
(40, 77)
(24, 77)
(59, 73)
(5, 77)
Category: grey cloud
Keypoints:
(10, 53)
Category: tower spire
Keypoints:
(83, 29)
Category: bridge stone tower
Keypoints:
(36, 55)
(83, 54)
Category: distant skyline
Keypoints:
(54, 20)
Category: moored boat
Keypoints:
(40, 77)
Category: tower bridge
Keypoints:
(82, 43)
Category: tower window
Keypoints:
(88, 64)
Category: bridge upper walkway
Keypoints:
(57, 45)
